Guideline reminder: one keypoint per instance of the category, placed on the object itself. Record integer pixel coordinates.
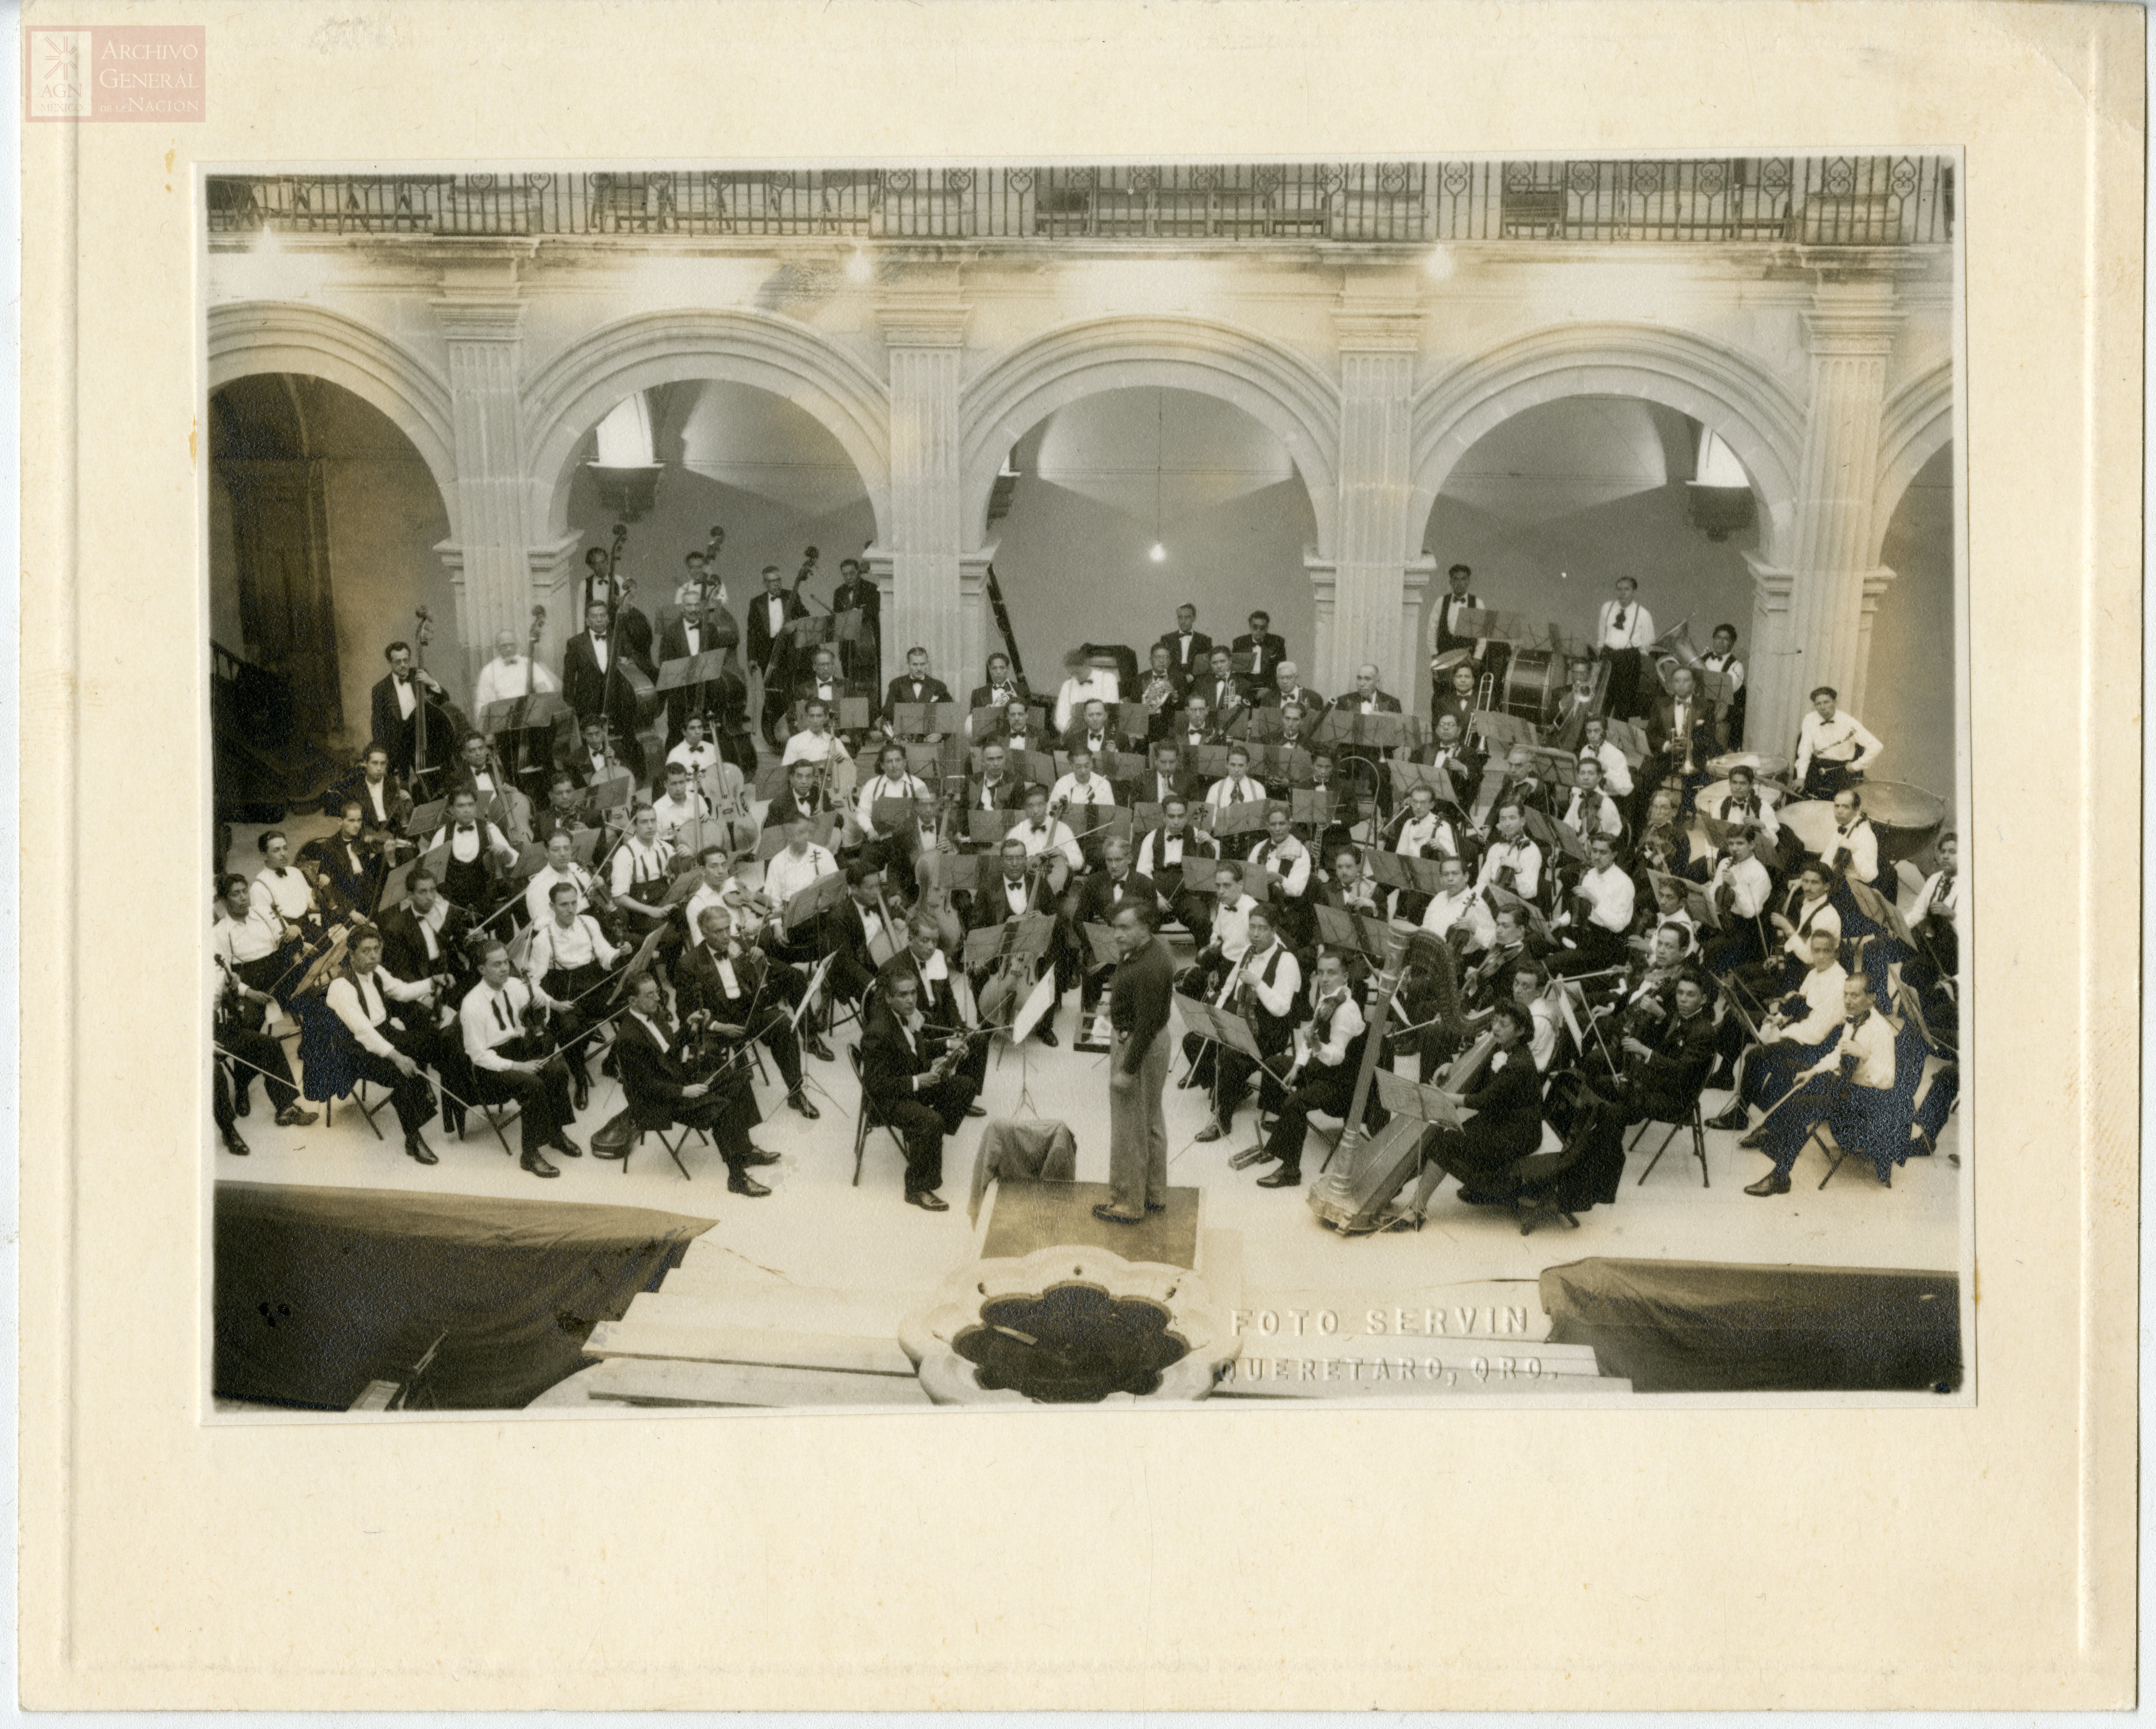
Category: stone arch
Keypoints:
(247, 338)
(565, 397)
(1917, 421)
(1277, 387)
(1755, 413)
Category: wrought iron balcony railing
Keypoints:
(1823, 201)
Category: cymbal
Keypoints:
(1450, 658)
(1763, 768)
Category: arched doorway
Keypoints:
(1549, 507)
(1909, 688)
(1121, 506)
(324, 522)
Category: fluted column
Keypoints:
(925, 335)
(1850, 331)
(1875, 584)
(490, 565)
(1378, 339)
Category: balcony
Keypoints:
(1813, 201)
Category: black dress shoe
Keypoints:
(239, 1104)
(1772, 1183)
(420, 1151)
(1046, 1035)
(976, 1110)
(1107, 1216)
(740, 1182)
(580, 1092)
(815, 1046)
(1288, 1176)
(799, 1101)
(233, 1144)
(757, 1156)
(1757, 1140)
(568, 1148)
(292, 1117)
(928, 1201)
(1210, 1132)
(536, 1164)
(1735, 1117)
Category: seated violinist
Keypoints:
(1616, 767)
(1352, 888)
(565, 811)
(1103, 895)
(923, 961)
(1424, 831)
(1227, 933)
(1459, 913)
(426, 937)
(513, 1061)
(1016, 889)
(913, 1077)
(384, 805)
(561, 870)
(1672, 914)
(1849, 1089)
(1174, 858)
(281, 904)
(1808, 908)
(744, 996)
(1081, 786)
(1663, 1074)
(392, 1047)
(1507, 1125)
(680, 807)
(998, 786)
(1592, 811)
(477, 858)
(1937, 923)
(571, 958)
(1597, 916)
(346, 869)
(1022, 734)
(805, 795)
(642, 872)
(593, 760)
(1740, 889)
(1513, 862)
(1792, 1033)
(1288, 859)
(816, 743)
(1195, 728)
(1489, 979)
(663, 1090)
(1265, 988)
(1854, 848)
(1328, 1055)
(1039, 833)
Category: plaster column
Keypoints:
(557, 584)
(924, 333)
(1875, 584)
(1849, 330)
(1414, 688)
(1378, 338)
(1324, 576)
(490, 566)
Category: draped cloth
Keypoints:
(1039, 1150)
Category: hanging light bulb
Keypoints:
(1159, 553)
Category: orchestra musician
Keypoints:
(1165, 857)
(998, 786)
(1936, 922)
(857, 592)
(1092, 733)
(1328, 1052)
(1020, 732)
(384, 804)
(800, 864)
(806, 793)
(249, 1052)
(426, 937)
(635, 629)
(770, 646)
(1849, 1089)
(1450, 604)
(913, 1078)
(1190, 648)
(1265, 987)
(1224, 694)
(663, 1088)
(1104, 893)
(1661, 1083)
(1081, 786)
(1458, 700)
(1742, 803)
(1681, 731)
(1856, 844)
(571, 956)
(1002, 689)
(1740, 888)
(1461, 762)
(1833, 749)
(1198, 727)
(1086, 683)
(565, 811)
(1458, 912)
(686, 631)
(281, 906)
(642, 873)
(825, 685)
(1623, 630)
(593, 761)
(1808, 908)
(1227, 932)
(915, 685)
(1016, 890)
(1234, 788)
(508, 677)
(1616, 767)
(680, 806)
(1577, 704)
(1507, 1125)
(598, 688)
(1287, 687)
(395, 703)
(730, 981)
(511, 1061)
(1263, 650)
(891, 780)
(1591, 811)
(1512, 862)
(1792, 1033)
(346, 869)
(392, 1050)
(1040, 832)
(1598, 913)
(1280, 851)
(1163, 691)
(688, 601)
(1729, 715)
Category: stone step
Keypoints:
(630, 1381)
(647, 1332)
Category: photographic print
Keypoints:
(1251, 781)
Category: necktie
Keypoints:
(501, 1010)
(1617, 622)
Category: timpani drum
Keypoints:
(1907, 818)
(1715, 791)
(1811, 820)
(1534, 680)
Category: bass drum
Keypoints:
(1906, 818)
(1534, 680)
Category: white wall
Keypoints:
(1909, 690)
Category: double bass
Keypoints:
(449, 723)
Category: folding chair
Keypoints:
(1893, 1123)
(673, 1147)
(1692, 1121)
(869, 1118)
(494, 1116)
(329, 1060)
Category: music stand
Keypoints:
(1340, 928)
(772, 841)
(825, 894)
(637, 961)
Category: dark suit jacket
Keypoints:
(1444, 638)
(404, 950)
(1271, 697)
(1077, 738)
(1010, 795)
(933, 690)
(1662, 730)
(783, 809)
(888, 1063)
(1271, 650)
(759, 628)
(674, 639)
(1190, 666)
(938, 1005)
(864, 594)
(697, 985)
(1187, 783)
(981, 697)
(652, 1078)
(353, 786)
(1670, 1079)
(583, 686)
(1387, 703)
(1097, 899)
(989, 908)
(389, 725)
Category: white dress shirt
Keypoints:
(1419, 832)
(1616, 770)
(1607, 821)
(1729, 666)
(1941, 897)
(1231, 927)
(1839, 740)
(465, 841)
(1610, 892)
(1050, 834)
(539, 897)
(490, 1017)
(579, 945)
(256, 936)
(1760, 813)
(1750, 885)
(1160, 849)
(1279, 997)
(1099, 685)
(635, 863)
(876, 787)
(1871, 1041)
(406, 701)
(786, 876)
(1450, 606)
(277, 894)
(501, 681)
(1092, 790)
(1862, 841)
(1526, 859)
(676, 815)
(1347, 1027)
(1821, 991)
(363, 1005)
(1290, 862)
(1225, 792)
(1624, 625)
(814, 748)
(1466, 908)
(1811, 916)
